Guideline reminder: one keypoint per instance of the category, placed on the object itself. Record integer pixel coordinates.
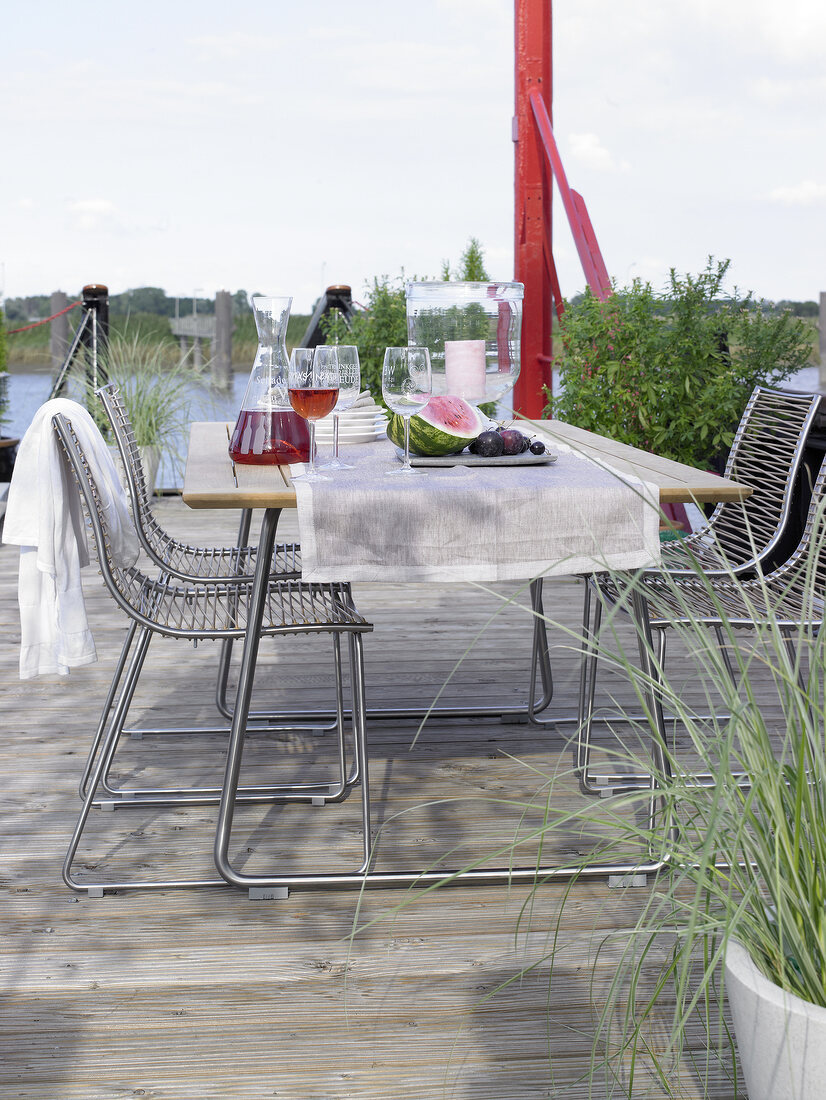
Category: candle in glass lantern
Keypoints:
(465, 369)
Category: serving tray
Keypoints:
(468, 459)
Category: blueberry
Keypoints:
(489, 444)
(537, 447)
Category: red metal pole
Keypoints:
(532, 207)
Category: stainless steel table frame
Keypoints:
(210, 483)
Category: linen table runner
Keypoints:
(480, 523)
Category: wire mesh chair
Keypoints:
(217, 610)
(176, 559)
(740, 538)
(180, 559)
(790, 598)
(767, 453)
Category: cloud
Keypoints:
(805, 193)
(90, 213)
(792, 31)
(588, 150)
(236, 45)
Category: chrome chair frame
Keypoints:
(192, 564)
(740, 539)
(216, 611)
(718, 599)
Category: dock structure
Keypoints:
(205, 993)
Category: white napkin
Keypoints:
(45, 519)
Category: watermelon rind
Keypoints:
(445, 426)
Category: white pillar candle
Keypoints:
(465, 369)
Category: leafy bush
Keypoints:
(673, 372)
(381, 324)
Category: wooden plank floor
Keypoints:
(204, 993)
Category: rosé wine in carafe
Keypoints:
(268, 431)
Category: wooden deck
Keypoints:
(203, 993)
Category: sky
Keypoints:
(282, 147)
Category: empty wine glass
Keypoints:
(406, 383)
(313, 389)
(349, 388)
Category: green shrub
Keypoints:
(672, 372)
(381, 324)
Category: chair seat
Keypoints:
(220, 610)
(693, 600)
(691, 553)
(226, 561)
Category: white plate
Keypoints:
(344, 440)
(359, 418)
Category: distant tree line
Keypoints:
(144, 299)
(797, 309)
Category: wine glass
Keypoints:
(349, 388)
(312, 385)
(406, 383)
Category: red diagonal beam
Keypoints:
(603, 284)
(584, 238)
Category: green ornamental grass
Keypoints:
(746, 855)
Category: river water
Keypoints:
(27, 389)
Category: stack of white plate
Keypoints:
(363, 422)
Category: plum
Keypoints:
(489, 444)
(512, 440)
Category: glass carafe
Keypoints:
(267, 431)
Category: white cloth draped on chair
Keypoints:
(45, 519)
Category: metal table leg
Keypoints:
(364, 877)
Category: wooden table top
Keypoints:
(209, 481)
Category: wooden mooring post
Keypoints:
(222, 346)
(58, 330)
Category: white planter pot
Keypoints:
(150, 460)
(781, 1039)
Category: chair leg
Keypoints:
(317, 793)
(725, 655)
(540, 658)
(102, 765)
(587, 690)
(107, 708)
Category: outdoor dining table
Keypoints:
(212, 481)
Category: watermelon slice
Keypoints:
(444, 426)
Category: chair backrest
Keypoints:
(767, 453)
(154, 540)
(790, 577)
(132, 590)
